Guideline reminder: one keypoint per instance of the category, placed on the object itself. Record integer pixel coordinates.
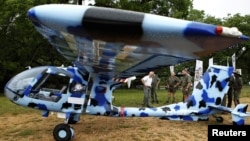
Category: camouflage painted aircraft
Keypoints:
(106, 45)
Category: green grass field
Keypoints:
(123, 97)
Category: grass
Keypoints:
(7, 107)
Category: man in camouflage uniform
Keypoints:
(154, 86)
(172, 85)
(186, 84)
(230, 91)
(237, 86)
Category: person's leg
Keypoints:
(186, 94)
(237, 95)
(152, 95)
(145, 96)
(235, 98)
(229, 97)
(156, 97)
(183, 95)
(224, 100)
(173, 97)
(148, 97)
(168, 97)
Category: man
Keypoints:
(155, 83)
(172, 85)
(230, 91)
(237, 86)
(147, 83)
(186, 84)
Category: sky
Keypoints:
(220, 8)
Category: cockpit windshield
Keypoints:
(37, 81)
(21, 81)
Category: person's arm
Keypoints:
(241, 83)
(142, 80)
(188, 85)
(167, 85)
(177, 82)
(158, 82)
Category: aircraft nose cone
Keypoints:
(20, 84)
(8, 93)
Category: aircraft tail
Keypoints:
(239, 114)
(211, 88)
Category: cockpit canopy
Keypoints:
(46, 78)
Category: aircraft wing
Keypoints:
(127, 43)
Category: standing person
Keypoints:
(147, 82)
(172, 85)
(154, 86)
(186, 84)
(230, 91)
(237, 87)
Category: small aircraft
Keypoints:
(107, 44)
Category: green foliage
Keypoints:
(196, 15)
(104, 3)
(21, 44)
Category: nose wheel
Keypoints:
(63, 132)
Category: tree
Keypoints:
(104, 3)
(21, 44)
(242, 50)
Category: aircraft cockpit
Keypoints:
(44, 83)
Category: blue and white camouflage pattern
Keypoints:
(204, 101)
(127, 43)
(106, 43)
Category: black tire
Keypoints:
(219, 119)
(63, 132)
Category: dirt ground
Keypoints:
(34, 127)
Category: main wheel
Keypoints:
(63, 132)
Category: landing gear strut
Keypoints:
(63, 132)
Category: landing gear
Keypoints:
(63, 132)
(219, 119)
(73, 119)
